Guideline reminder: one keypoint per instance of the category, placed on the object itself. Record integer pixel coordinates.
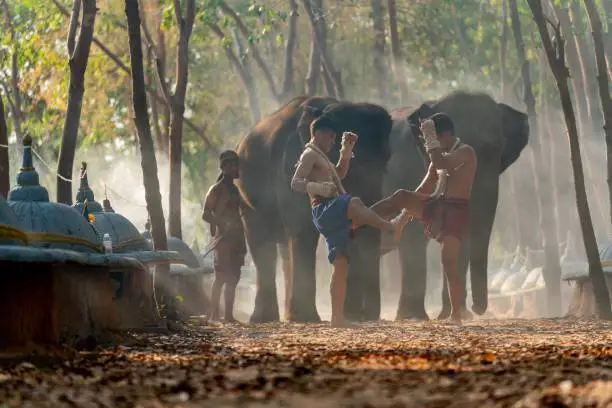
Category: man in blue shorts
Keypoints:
(334, 212)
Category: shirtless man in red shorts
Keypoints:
(441, 201)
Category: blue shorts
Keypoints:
(331, 220)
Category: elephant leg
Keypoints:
(464, 261)
(303, 252)
(262, 246)
(413, 260)
(285, 253)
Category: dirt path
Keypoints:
(482, 364)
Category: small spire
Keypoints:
(28, 187)
(148, 224)
(107, 206)
(106, 202)
(27, 154)
(85, 193)
(84, 181)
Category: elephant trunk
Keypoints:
(482, 217)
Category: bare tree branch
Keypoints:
(245, 76)
(289, 50)
(327, 63)
(177, 13)
(254, 48)
(72, 28)
(159, 67)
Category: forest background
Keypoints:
(246, 58)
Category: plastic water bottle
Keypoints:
(107, 243)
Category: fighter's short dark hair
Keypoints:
(443, 123)
(228, 156)
(323, 123)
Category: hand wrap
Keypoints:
(428, 128)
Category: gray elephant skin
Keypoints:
(498, 133)
(274, 216)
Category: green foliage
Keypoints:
(446, 44)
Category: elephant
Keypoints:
(498, 134)
(276, 217)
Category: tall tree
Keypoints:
(604, 90)
(379, 54)
(509, 175)
(396, 52)
(78, 55)
(145, 139)
(556, 59)
(5, 182)
(552, 269)
(184, 21)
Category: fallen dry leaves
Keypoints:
(485, 363)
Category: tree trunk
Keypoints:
(160, 113)
(321, 44)
(287, 87)
(588, 69)
(396, 52)
(556, 59)
(578, 86)
(314, 62)
(511, 190)
(5, 182)
(177, 104)
(607, 6)
(145, 140)
(380, 65)
(552, 269)
(160, 144)
(78, 57)
(317, 22)
(143, 127)
(604, 90)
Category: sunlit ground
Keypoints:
(517, 363)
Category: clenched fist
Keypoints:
(349, 139)
(428, 128)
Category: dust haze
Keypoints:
(115, 172)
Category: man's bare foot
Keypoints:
(399, 223)
(455, 318)
(231, 320)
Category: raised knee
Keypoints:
(356, 201)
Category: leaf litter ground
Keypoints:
(485, 363)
